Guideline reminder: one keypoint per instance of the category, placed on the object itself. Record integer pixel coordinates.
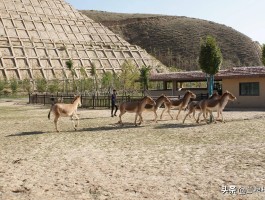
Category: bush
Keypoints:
(14, 85)
(54, 86)
(3, 84)
(41, 84)
(26, 85)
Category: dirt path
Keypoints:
(103, 160)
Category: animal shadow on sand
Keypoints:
(26, 133)
(176, 125)
(86, 118)
(111, 127)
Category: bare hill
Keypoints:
(175, 40)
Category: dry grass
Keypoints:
(103, 160)
(175, 40)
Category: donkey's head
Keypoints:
(229, 95)
(149, 100)
(77, 99)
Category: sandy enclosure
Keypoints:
(103, 160)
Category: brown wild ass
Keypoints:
(180, 104)
(66, 110)
(135, 107)
(194, 106)
(218, 105)
(159, 101)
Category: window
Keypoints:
(249, 89)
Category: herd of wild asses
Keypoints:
(215, 102)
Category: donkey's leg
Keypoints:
(55, 122)
(168, 111)
(121, 113)
(221, 113)
(136, 115)
(140, 118)
(73, 121)
(194, 110)
(178, 113)
(212, 118)
(198, 118)
(73, 118)
(188, 114)
(155, 116)
(163, 112)
(205, 114)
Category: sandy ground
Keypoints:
(103, 160)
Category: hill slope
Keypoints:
(175, 41)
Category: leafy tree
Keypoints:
(107, 80)
(41, 84)
(116, 81)
(263, 54)
(144, 77)
(70, 66)
(210, 60)
(83, 72)
(54, 86)
(26, 85)
(94, 74)
(3, 84)
(128, 76)
(88, 84)
(14, 85)
(82, 78)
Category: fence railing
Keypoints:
(92, 101)
(87, 101)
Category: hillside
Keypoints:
(175, 40)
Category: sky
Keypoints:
(245, 16)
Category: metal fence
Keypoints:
(91, 101)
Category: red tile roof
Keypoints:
(236, 72)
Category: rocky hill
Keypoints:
(175, 40)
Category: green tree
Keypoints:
(144, 77)
(263, 54)
(107, 80)
(3, 84)
(128, 76)
(82, 78)
(88, 84)
(210, 60)
(26, 85)
(14, 85)
(54, 86)
(70, 66)
(41, 84)
(94, 74)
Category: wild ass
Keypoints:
(66, 110)
(159, 101)
(180, 104)
(135, 107)
(218, 105)
(194, 106)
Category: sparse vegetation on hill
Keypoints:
(175, 41)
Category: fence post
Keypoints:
(109, 97)
(93, 101)
(36, 99)
(44, 100)
(81, 99)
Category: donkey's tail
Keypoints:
(49, 115)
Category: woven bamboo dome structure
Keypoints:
(37, 37)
